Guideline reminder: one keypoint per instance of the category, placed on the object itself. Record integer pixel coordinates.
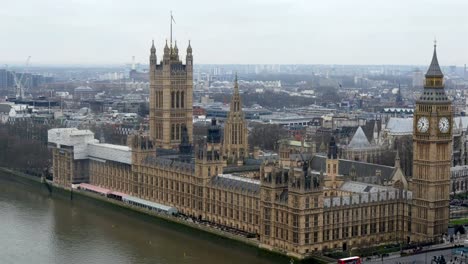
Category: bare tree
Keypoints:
(266, 136)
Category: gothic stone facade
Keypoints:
(303, 204)
(295, 208)
(171, 92)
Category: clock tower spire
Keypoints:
(432, 153)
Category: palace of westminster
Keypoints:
(299, 203)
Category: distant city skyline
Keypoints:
(362, 32)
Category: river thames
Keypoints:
(38, 228)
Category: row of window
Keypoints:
(237, 135)
(233, 214)
(177, 99)
(176, 131)
(231, 198)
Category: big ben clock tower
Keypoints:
(432, 153)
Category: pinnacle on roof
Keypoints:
(176, 49)
(236, 85)
(189, 48)
(434, 69)
(397, 159)
(153, 48)
(166, 48)
(236, 99)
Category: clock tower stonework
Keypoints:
(432, 154)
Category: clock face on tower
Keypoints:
(423, 124)
(444, 125)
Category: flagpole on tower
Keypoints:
(170, 40)
(172, 20)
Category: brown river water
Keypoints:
(36, 227)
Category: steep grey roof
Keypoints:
(434, 69)
(243, 168)
(359, 140)
(169, 163)
(227, 183)
(401, 126)
(359, 187)
(433, 95)
(362, 169)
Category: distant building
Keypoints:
(199, 111)
(3, 79)
(137, 76)
(83, 93)
(418, 79)
(7, 81)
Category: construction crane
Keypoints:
(19, 85)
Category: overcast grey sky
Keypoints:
(236, 31)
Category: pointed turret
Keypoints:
(397, 159)
(398, 179)
(189, 48)
(434, 69)
(375, 134)
(153, 60)
(166, 50)
(153, 48)
(176, 49)
(434, 80)
(236, 85)
(189, 56)
(236, 99)
(235, 130)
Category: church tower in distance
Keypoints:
(235, 131)
(171, 96)
(432, 153)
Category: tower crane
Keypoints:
(19, 85)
